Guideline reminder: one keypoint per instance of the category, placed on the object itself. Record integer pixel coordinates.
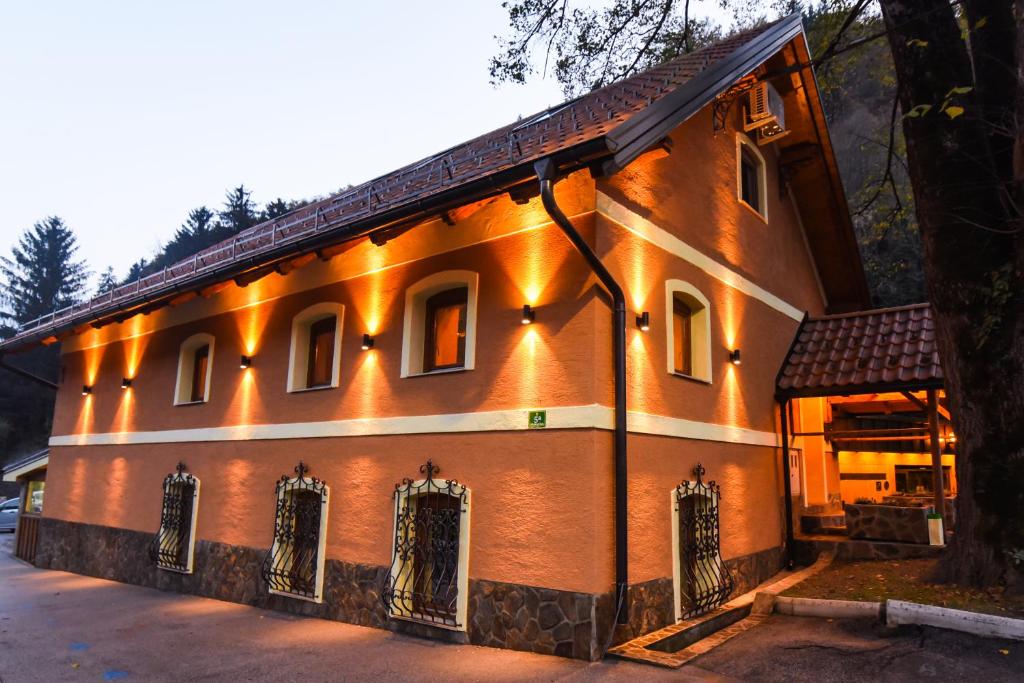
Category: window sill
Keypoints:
(442, 371)
(425, 621)
(748, 207)
(318, 600)
(306, 390)
(190, 403)
(691, 378)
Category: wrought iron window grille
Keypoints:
(427, 578)
(704, 582)
(174, 544)
(295, 564)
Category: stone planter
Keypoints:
(887, 523)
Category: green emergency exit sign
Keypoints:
(538, 419)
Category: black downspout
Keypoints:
(787, 487)
(546, 171)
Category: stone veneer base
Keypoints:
(652, 602)
(504, 615)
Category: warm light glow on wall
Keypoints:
(247, 400)
(134, 346)
(519, 377)
(252, 321)
(125, 407)
(531, 262)
(84, 425)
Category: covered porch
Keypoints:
(869, 450)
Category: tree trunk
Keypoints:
(964, 174)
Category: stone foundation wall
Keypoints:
(503, 615)
(887, 523)
(652, 602)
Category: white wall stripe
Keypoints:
(659, 237)
(567, 417)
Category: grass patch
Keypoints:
(880, 580)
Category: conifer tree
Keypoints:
(41, 274)
(239, 212)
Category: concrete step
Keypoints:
(814, 523)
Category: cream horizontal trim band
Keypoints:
(659, 237)
(567, 417)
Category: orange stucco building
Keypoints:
(440, 315)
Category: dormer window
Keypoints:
(315, 360)
(195, 366)
(751, 180)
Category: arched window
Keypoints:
(751, 178)
(295, 564)
(701, 581)
(315, 358)
(689, 332)
(429, 575)
(195, 368)
(439, 333)
(174, 546)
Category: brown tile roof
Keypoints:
(889, 348)
(586, 123)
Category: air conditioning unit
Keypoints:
(765, 113)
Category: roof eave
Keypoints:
(633, 137)
(568, 160)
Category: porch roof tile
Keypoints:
(860, 352)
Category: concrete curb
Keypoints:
(898, 613)
(830, 609)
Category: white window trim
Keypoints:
(415, 314)
(762, 176)
(677, 568)
(318, 596)
(700, 330)
(298, 355)
(189, 565)
(186, 363)
(462, 600)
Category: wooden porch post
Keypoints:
(933, 432)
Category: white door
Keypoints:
(795, 458)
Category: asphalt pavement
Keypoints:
(56, 626)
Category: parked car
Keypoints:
(9, 515)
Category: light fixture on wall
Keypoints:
(734, 356)
(126, 383)
(245, 363)
(367, 341)
(529, 315)
(86, 390)
(643, 321)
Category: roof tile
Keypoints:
(863, 349)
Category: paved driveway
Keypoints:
(64, 627)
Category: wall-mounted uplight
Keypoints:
(126, 383)
(367, 342)
(86, 390)
(245, 363)
(734, 356)
(643, 321)
(529, 315)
